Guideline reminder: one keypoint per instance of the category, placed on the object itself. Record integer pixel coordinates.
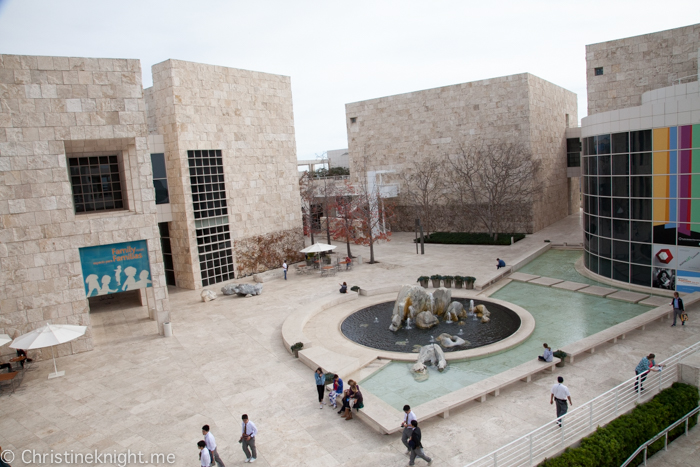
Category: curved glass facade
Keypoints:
(641, 203)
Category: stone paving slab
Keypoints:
(656, 301)
(625, 296)
(522, 277)
(569, 285)
(598, 291)
(548, 281)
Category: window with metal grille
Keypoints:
(160, 178)
(167, 253)
(211, 216)
(96, 183)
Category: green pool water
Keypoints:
(561, 317)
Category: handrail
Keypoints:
(583, 420)
(646, 445)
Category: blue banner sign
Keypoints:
(115, 268)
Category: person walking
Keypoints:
(204, 457)
(560, 394)
(408, 417)
(320, 385)
(211, 446)
(645, 365)
(678, 309)
(248, 434)
(548, 355)
(416, 446)
(284, 268)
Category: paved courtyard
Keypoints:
(141, 392)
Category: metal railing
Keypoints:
(645, 447)
(550, 439)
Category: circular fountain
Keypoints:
(504, 322)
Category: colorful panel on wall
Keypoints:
(115, 268)
(688, 281)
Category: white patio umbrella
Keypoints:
(4, 339)
(48, 336)
(319, 247)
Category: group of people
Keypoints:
(209, 454)
(20, 353)
(351, 397)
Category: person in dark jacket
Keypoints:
(677, 304)
(416, 446)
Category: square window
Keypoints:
(100, 191)
(598, 71)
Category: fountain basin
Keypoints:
(369, 327)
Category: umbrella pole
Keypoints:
(55, 374)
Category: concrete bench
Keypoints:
(269, 275)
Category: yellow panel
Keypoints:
(660, 186)
(660, 162)
(660, 213)
(660, 138)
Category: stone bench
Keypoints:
(620, 331)
(269, 275)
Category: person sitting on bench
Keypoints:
(23, 353)
(548, 356)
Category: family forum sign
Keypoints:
(115, 268)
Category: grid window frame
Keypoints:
(97, 183)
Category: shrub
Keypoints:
(468, 238)
(422, 278)
(355, 288)
(612, 444)
(435, 277)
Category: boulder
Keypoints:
(448, 341)
(455, 311)
(442, 298)
(208, 295)
(432, 355)
(242, 289)
(426, 320)
(412, 300)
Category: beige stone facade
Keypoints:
(635, 65)
(248, 116)
(396, 131)
(52, 108)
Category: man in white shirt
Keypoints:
(248, 433)
(559, 394)
(407, 427)
(204, 457)
(211, 446)
(284, 267)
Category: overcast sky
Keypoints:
(340, 52)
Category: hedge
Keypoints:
(468, 238)
(612, 444)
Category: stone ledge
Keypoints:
(625, 296)
(546, 281)
(522, 277)
(268, 276)
(597, 291)
(572, 286)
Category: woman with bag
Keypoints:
(337, 389)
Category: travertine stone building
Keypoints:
(58, 116)
(108, 189)
(397, 131)
(247, 116)
(620, 71)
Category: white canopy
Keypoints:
(4, 339)
(319, 247)
(48, 336)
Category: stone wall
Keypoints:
(248, 116)
(552, 108)
(634, 65)
(395, 132)
(268, 251)
(50, 107)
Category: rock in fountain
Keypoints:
(454, 311)
(426, 320)
(431, 354)
(482, 313)
(448, 341)
(443, 297)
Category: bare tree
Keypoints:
(307, 190)
(496, 182)
(424, 190)
(346, 207)
(374, 211)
